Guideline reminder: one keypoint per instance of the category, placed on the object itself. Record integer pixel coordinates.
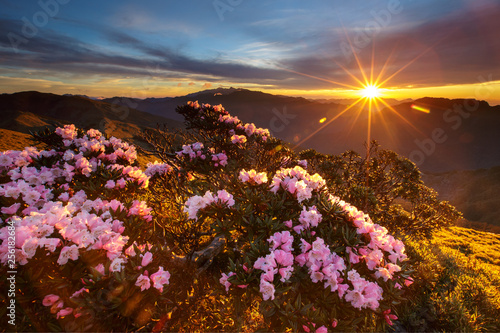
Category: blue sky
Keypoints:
(168, 48)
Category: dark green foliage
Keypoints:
(388, 187)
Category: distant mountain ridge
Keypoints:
(449, 137)
(459, 134)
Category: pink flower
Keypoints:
(383, 273)
(223, 280)
(268, 275)
(100, 268)
(238, 139)
(322, 329)
(50, 300)
(49, 243)
(301, 259)
(373, 259)
(283, 258)
(64, 196)
(68, 252)
(31, 197)
(316, 276)
(310, 217)
(116, 264)
(250, 129)
(225, 197)
(143, 281)
(110, 184)
(12, 209)
(121, 183)
(64, 312)
(353, 258)
(304, 246)
(298, 229)
(285, 273)
(389, 317)
(341, 289)
(79, 292)
(253, 177)
(267, 290)
(160, 278)
(281, 239)
(260, 263)
(408, 281)
(146, 259)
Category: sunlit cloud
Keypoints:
(267, 46)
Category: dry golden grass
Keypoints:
(12, 140)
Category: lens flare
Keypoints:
(420, 108)
(370, 91)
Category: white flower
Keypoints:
(143, 282)
(68, 252)
(116, 264)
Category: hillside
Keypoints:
(466, 138)
(457, 284)
(25, 111)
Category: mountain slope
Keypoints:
(32, 110)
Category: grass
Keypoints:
(457, 283)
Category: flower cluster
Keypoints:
(380, 242)
(94, 142)
(130, 174)
(197, 151)
(240, 131)
(298, 182)
(197, 202)
(278, 262)
(157, 168)
(364, 293)
(55, 219)
(57, 306)
(159, 279)
(238, 139)
(252, 177)
(335, 268)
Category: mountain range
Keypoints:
(458, 134)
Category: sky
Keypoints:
(314, 49)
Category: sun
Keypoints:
(370, 91)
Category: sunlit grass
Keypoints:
(457, 282)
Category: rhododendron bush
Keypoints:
(229, 231)
(75, 230)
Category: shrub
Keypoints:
(232, 230)
(75, 230)
(388, 187)
(273, 231)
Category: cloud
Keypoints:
(449, 49)
(51, 50)
(457, 48)
(207, 85)
(191, 84)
